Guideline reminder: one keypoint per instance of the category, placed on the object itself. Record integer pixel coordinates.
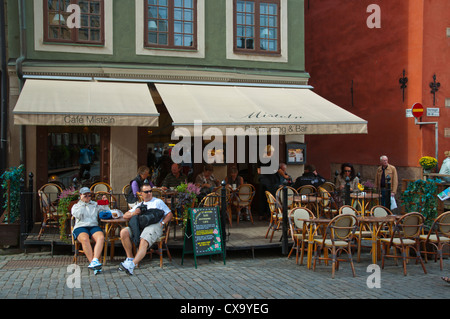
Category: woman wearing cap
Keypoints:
(86, 227)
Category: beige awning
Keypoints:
(85, 103)
(293, 111)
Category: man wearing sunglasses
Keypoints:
(149, 234)
(86, 227)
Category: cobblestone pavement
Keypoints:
(268, 276)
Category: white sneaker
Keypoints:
(95, 265)
(127, 266)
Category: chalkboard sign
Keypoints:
(203, 233)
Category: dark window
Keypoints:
(91, 20)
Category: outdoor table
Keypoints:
(311, 223)
(111, 226)
(308, 199)
(376, 224)
(364, 200)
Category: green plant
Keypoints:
(421, 196)
(12, 176)
(65, 199)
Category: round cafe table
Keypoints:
(111, 225)
(364, 200)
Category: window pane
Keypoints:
(178, 40)
(95, 8)
(178, 27)
(162, 13)
(162, 39)
(188, 15)
(249, 32)
(188, 27)
(240, 6)
(188, 41)
(152, 12)
(249, 19)
(152, 2)
(162, 2)
(162, 26)
(178, 3)
(272, 21)
(189, 4)
(152, 37)
(95, 22)
(240, 43)
(272, 45)
(152, 26)
(249, 7)
(95, 35)
(272, 9)
(83, 34)
(239, 31)
(178, 14)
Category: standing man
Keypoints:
(380, 179)
(149, 234)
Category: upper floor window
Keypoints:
(170, 24)
(91, 17)
(257, 26)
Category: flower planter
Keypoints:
(9, 234)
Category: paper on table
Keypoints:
(445, 194)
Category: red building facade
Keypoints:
(356, 54)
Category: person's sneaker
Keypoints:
(127, 266)
(95, 265)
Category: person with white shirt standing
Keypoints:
(149, 234)
(86, 227)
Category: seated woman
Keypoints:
(206, 181)
(347, 170)
(86, 227)
(234, 180)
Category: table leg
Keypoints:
(310, 245)
(105, 249)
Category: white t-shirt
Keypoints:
(154, 203)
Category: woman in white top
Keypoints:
(86, 227)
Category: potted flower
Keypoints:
(428, 163)
(9, 226)
(187, 198)
(67, 199)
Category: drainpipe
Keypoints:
(19, 71)
(3, 92)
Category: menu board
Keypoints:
(203, 233)
(296, 153)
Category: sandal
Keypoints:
(446, 279)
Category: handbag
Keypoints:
(393, 202)
(105, 214)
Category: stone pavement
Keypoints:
(269, 275)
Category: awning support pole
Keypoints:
(435, 134)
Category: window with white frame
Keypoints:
(257, 26)
(170, 24)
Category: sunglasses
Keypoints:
(347, 170)
(87, 195)
(146, 192)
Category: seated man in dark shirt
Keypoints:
(174, 178)
(309, 177)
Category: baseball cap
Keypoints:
(84, 190)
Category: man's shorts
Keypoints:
(150, 233)
(89, 230)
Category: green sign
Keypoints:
(203, 234)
